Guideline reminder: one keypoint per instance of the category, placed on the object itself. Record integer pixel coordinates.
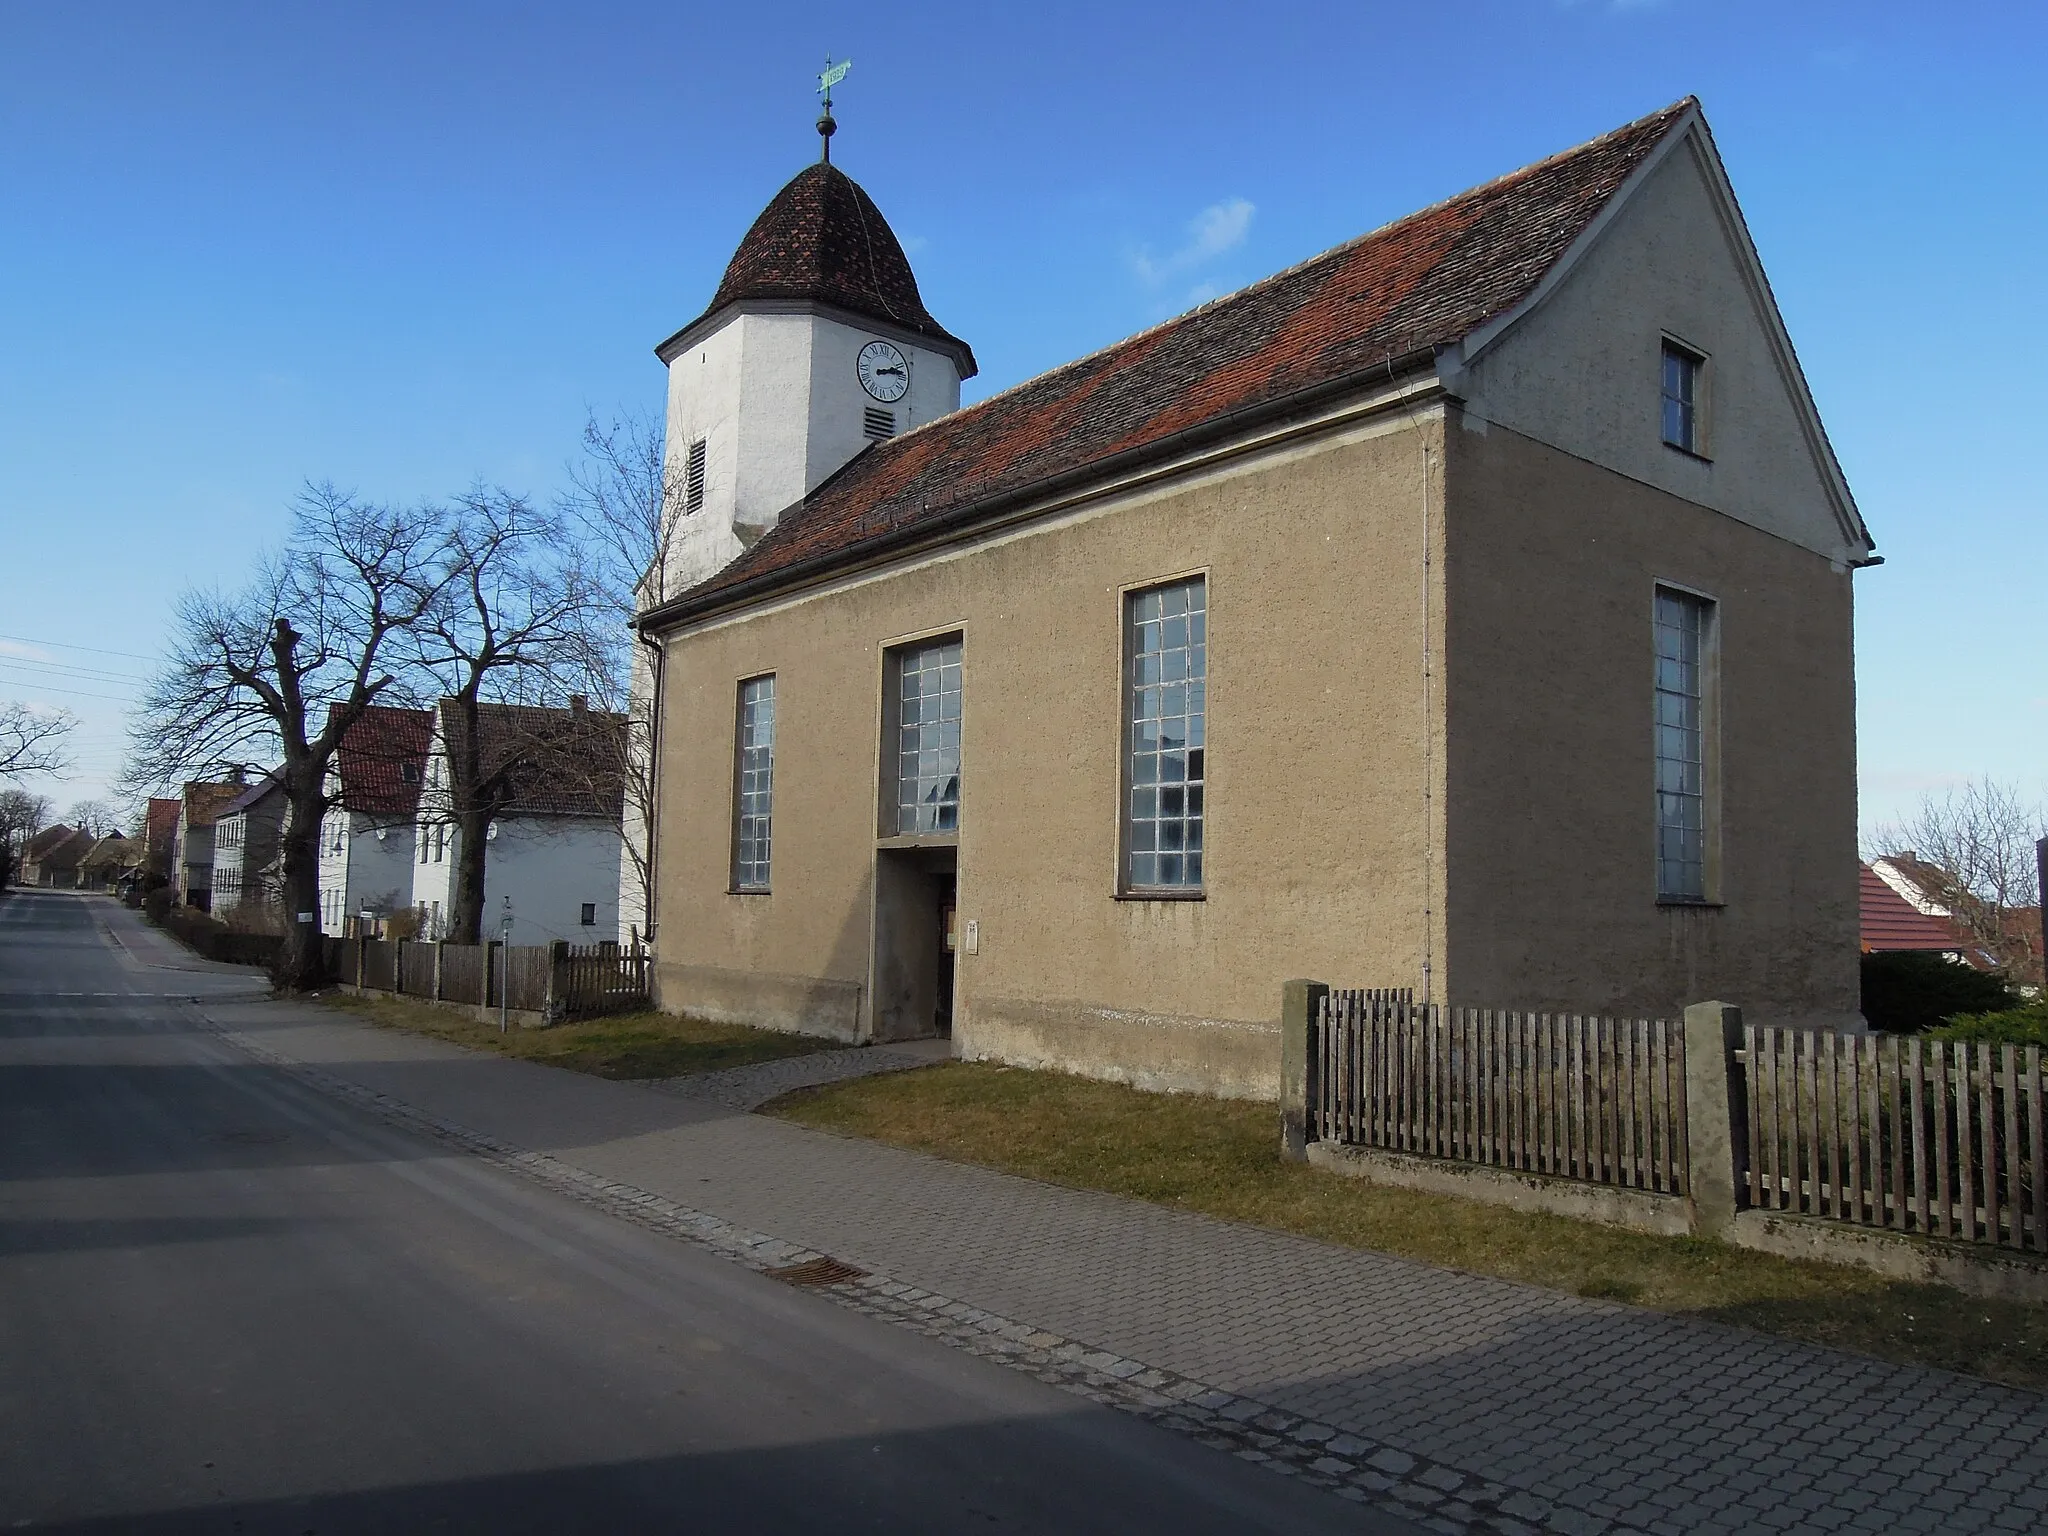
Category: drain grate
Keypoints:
(823, 1271)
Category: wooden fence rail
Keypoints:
(557, 981)
(1942, 1138)
(1572, 1095)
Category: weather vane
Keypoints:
(832, 75)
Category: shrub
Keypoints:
(157, 904)
(2013, 1026)
(1907, 992)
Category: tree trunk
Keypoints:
(301, 962)
(466, 899)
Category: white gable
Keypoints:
(1578, 365)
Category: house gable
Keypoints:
(1577, 365)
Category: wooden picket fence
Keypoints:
(1572, 1095)
(557, 981)
(1941, 1138)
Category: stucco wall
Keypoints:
(1582, 370)
(775, 397)
(548, 866)
(1317, 814)
(1551, 566)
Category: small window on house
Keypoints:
(409, 773)
(1166, 662)
(878, 422)
(754, 785)
(928, 739)
(693, 476)
(1684, 636)
(1683, 375)
(589, 917)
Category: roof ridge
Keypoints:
(1676, 108)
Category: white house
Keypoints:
(554, 843)
(245, 838)
(367, 837)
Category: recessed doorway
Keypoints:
(915, 945)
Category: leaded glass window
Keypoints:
(752, 840)
(928, 739)
(1167, 648)
(1681, 625)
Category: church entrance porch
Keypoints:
(911, 971)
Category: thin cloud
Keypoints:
(1218, 228)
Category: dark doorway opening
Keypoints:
(915, 943)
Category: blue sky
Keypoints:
(408, 247)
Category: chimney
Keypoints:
(578, 703)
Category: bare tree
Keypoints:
(626, 500)
(96, 816)
(280, 670)
(32, 741)
(22, 815)
(1979, 841)
(505, 629)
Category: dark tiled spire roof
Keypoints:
(1424, 282)
(823, 239)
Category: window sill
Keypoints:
(753, 890)
(1691, 453)
(1690, 901)
(920, 840)
(1191, 895)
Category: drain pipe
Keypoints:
(1428, 741)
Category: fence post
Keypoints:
(362, 949)
(491, 977)
(557, 1005)
(1716, 1115)
(1298, 1003)
(439, 946)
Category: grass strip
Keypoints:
(1220, 1158)
(619, 1045)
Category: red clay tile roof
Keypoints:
(160, 824)
(1385, 298)
(1890, 922)
(382, 760)
(205, 802)
(822, 238)
(566, 762)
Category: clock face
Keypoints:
(883, 372)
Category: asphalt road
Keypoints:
(230, 1304)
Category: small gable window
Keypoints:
(1684, 398)
(693, 476)
(589, 918)
(409, 772)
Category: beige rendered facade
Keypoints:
(1429, 714)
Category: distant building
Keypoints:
(199, 806)
(553, 847)
(368, 835)
(51, 858)
(245, 848)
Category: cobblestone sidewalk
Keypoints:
(1475, 1404)
(752, 1086)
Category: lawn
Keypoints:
(620, 1045)
(1221, 1158)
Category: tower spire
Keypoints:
(831, 76)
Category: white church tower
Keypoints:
(815, 346)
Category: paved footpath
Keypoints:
(1475, 1404)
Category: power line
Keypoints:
(98, 674)
(76, 693)
(66, 646)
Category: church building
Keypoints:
(1467, 608)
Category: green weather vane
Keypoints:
(831, 76)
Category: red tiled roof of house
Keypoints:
(205, 802)
(159, 823)
(1350, 316)
(382, 760)
(1891, 922)
(822, 238)
(566, 762)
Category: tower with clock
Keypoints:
(815, 347)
